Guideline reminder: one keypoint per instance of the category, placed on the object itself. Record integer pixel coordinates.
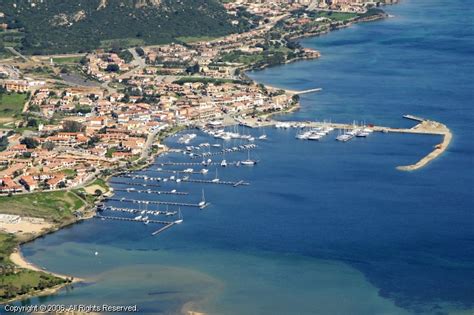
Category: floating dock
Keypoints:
(143, 177)
(222, 152)
(195, 164)
(220, 182)
(133, 220)
(148, 191)
(133, 184)
(155, 202)
(137, 211)
(163, 229)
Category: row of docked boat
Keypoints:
(357, 132)
(229, 135)
(288, 125)
(230, 150)
(314, 134)
(187, 138)
(137, 211)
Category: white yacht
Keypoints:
(202, 203)
(224, 163)
(315, 137)
(216, 179)
(248, 161)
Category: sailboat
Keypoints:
(248, 161)
(216, 179)
(202, 204)
(224, 162)
(180, 217)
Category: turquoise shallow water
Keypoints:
(324, 228)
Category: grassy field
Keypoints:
(337, 16)
(11, 105)
(123, 42)
(65, 60)
(7, 243)
(56, 206)
(88, 192)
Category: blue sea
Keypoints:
(324, 227)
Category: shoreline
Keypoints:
(145, 161)
(18, 259)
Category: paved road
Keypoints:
(149, 142)
(16, 53)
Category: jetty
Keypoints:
(216, 182)
(225, 151)
(134, 210)
(133, 184)
(235, 163)
(306, 91)
(132, 219)
(148, 191)
(163, 229)
(143, 177)
(200, 205)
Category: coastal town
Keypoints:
(69, 122)
(67, 132)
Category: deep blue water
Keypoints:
(326, 227)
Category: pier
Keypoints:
(133, 184)
(136, 211)
(163, 229)
(133, 220)
(306, 91)
(225, 151)
(195, 164)
(200, 205)
(143, 177)
(148, 191)
(217, 182)
(415, 118)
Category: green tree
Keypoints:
(112, 68)
(72, 126)
(30, 143)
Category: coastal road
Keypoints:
(149, 142)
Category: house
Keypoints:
(29, 183)
(8, 185)
(53, 183)
(16, 85)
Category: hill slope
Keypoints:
(58, 26)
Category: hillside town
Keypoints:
(67, 133)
